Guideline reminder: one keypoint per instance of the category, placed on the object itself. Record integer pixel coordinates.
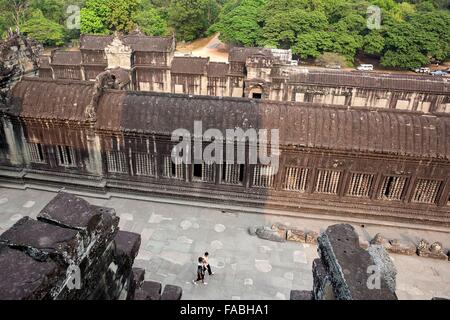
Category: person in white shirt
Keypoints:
(200, 272)
(206, 263)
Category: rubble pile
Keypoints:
(74, 250)
(281, 233)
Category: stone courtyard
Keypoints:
(246, 267)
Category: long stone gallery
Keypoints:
(355, 149)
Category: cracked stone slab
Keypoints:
(23, 278)
(42, 239)
(70, 211)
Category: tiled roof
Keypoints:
(383, 131)
(139, 42)
(70, 58)
(217, 69)
(189, 65)
(94, 42)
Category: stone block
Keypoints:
(401, 247)
(24, 278)
(301, 295)
(42, 240)
(140, 294)
(172, 292)
(153, 289)
(346, 265)
(311, 237)
(269, 234)
(252, 230)
(72, 212)
(385, 265)
(435, 251)
(296, 235)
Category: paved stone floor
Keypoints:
(173, 236)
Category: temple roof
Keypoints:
(386, 131)
(240, 54)
(189, 65)
(140, 42)
(217, 69)
(366, 80)
(48, 99)
(94, 42)
(69, 58)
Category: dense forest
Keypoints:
(412, 33)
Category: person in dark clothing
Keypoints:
(206, 263)
(200, 272)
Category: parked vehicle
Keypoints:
(333, 66)
(365, 67)
(422, 70)
(439, 73)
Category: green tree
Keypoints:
(150, 22)
(373, 43)
(105, 16)
(192, 18)
(239, 23)
(43, 30)
(94, 17)
(284, 27)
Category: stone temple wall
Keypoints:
(74, 250)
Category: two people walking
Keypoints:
(202, 266)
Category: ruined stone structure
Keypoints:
(382, 164)
(257, 73)
(345, 271)
(18, 56)
(74, 250)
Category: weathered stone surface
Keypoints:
(137, 279)
(401, 247)
(153, 289)
(384, 264)
(269, 234)
(19, 55)
(91, 246)
(172, 292)
(138, 276)
(128, 243)
(41, 239)
(379, 240)
(435, 251)
(311, 237)
(140, 294)
(364, 243)
(23, 278)
(70, 211)
(322, 289)
(301, 295)
(296, 235)
(346, 265)
(252, 230)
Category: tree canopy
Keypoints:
(411, 34)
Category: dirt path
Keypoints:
(210, 47)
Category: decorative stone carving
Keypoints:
(296, 235)
(118, 55)
(311, 237)
(435, 251)
(394, 245)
